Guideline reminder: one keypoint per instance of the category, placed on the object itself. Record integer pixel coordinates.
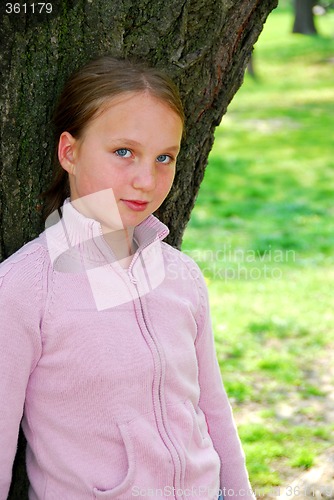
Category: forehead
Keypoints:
(136, 109)
(130, 99)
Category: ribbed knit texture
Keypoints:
(120, 399)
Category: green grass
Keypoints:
(262, 231)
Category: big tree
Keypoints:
(204, 45)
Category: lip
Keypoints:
(136, 205)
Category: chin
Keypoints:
(134, 221)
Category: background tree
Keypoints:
(304, 18)
(205, 46)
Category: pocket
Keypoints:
(148, 460)
(202, 462)
(201, 433)
(122, 488)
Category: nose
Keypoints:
(145, 176)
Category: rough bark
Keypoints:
(204, 44)
(304, 19)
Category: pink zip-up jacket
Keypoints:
(113, 371)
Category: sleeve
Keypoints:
(216, 407)
(21, 288)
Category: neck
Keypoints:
(121, 243)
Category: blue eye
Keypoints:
(123, 153)
(164, 159)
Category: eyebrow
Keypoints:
(132, 142)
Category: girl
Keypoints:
(107, 349)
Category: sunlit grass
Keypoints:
(263, 233)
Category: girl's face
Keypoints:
(123, 167)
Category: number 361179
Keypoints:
(34, 8)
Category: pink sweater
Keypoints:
(113, 370)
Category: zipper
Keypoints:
(169, 445)
(167, 440)
(135, 258)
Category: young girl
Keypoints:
(107, 348)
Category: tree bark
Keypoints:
(304, 19)
(204, 45)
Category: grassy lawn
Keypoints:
(262, 231)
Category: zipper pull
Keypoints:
(131, 277)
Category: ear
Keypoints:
(67, 147)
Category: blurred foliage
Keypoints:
(262, 231)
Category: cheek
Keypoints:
(170, 179)
(94, 179)
(164, 186)
(86, 185)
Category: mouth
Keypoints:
(136, 205)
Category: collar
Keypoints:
(75, 242)
(76, 245)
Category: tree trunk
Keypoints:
(205, 46)
(304, 19)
